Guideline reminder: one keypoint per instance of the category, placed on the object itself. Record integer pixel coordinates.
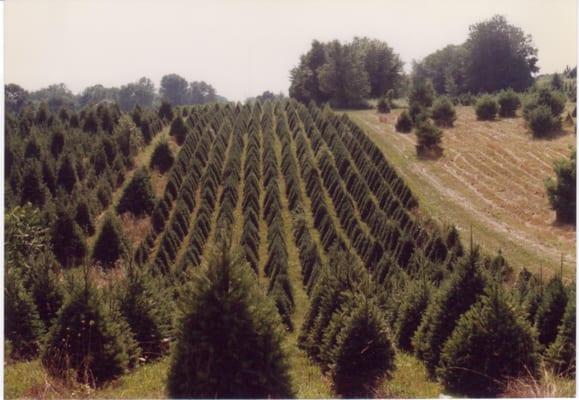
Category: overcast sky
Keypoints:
(245, 47)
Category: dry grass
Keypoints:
(135, 229)
(547, 385)
(491, 177)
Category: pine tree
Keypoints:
(83, 217)
(45, 288)
(88, 338)
(561, 353)
(33, 189)
(56, 144)
(144, 304)
(68, 243)
(110, 244)
(491, 342)
(66, 175)
(234, 332)
(166, 111)
(413, 305)
(23, 326)
(179, 130)
(453, 299)
(162, 158)
(364, 353)
(138, 197)
(550, 310)
(404, 122)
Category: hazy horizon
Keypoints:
(245, 48)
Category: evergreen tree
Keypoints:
(45, 288)
(110, 244)
(68, 243)
(56, 144)
(562, 191)
(138, 197)
(491, 342)
(83, 217)
(48, 176)
(88, 338)
(144, 304)
(456, 295)
(422, 93)
(404, 122)
(23, 326)
(364, 352)
(561, 354)
(33, 189)
(412, 307)
(550, 310)
(230, 329)
(162, 158)
(443, 112)
(509, 102)
(66, 175)
(179, 130)
(486, 108)
(166, 112)
(32, 149)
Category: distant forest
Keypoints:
(174, 89)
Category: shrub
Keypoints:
(88, 339)
(418, 113)
(562, 191)
(404, 122)
(490, 343)
(230, 329)
(428, 136)
(383, 106)
(443, 112)
(509, 103)
(560, 355)
(67, 239)
(110, 244)
(138, 197)
(162, 158)
(486, 108)
(364, 352)
(541, 121)
(456, 295)
(422, 93)
(550, 311)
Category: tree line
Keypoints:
(173, 89)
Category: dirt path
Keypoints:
(491, 177)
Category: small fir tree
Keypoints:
(486, 108)
(68, 243)
(138, 197)
(550, 311)
(179, 130)
(403, 122)
(443, 112)
(162, 158)
(66, 177)
(561, 354)
(234, 332)
(110, 244)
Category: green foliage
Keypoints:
(443, 112)
(26, 235)
(415, 300)
(45, 288)
(67, 239)
(455, 296)
(403, 122)
(234, 332)
(491, 342)
(88, 338)
(509, 103)
(33, 189)
(363, 352)
(550, 311)
(486, 108)
(146, 307)
(110, 244)
(138, 197)
(541, 121)
(422, 93)
(66, 177)
(23, 326)
(383, 106)
(166, 111)
(561, 354)
(179, 130)
(554, 100)
(428, 136)
(562, 192)
(83, 217)
(162, 158)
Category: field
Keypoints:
(320, 205)
(491, 178)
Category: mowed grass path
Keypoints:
(491, 177)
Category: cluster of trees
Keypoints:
(378, 278)
(496, 55)
(345, 75)
(174, 89)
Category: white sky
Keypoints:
(245, 47)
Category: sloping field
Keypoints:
(491, 178)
